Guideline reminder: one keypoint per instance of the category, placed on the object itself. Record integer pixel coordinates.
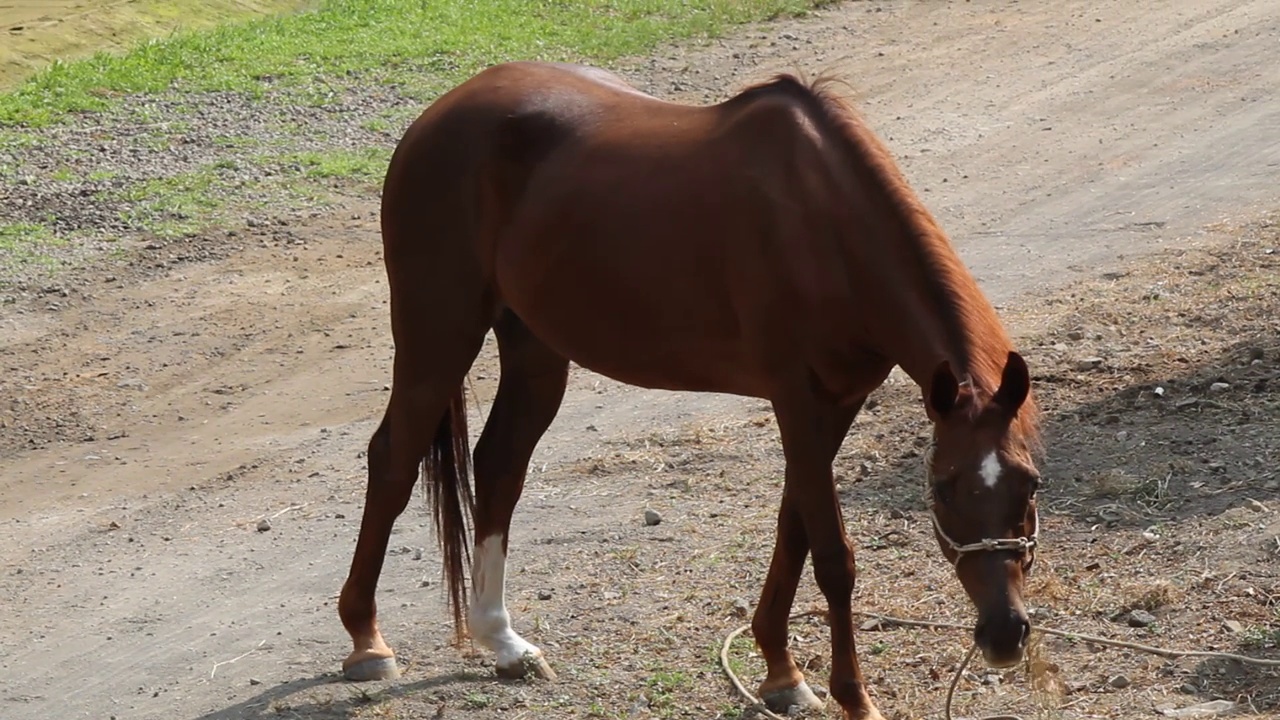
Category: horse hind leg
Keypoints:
(425, 420)
(530, 391)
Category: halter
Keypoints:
(1019, 544)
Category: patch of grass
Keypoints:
(663, 687)
(16, 139)
(449, 39)
(24, 244)
(368, 165)
(1256, 637)
(173, 206)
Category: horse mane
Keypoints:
(974, 323)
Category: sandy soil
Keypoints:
(1081, 154)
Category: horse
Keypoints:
(765, 246)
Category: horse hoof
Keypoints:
(781, 701)
(530, 664)
(372, 669)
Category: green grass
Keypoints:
(24, 244)
(423, 44)
(369, 165)
(173, 206)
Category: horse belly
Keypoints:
(638, 323)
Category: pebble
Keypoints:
(1219, 387)
(651, 517)
(1089, 363)
(544, 594)
(1119, 682)
(740, 608)
(264, 525)
(1141, 618)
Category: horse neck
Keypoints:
(927, 305)
(933, 309)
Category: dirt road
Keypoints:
(158, 421)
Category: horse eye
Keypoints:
(944, 492)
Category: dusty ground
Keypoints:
(159, 400)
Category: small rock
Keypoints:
(651, 517)
(1141, 618)
(1234, 626)
(1158, 392)
(1256, 506)
(740, 608)
(417, 553)
(1219, 387)
(1075, 335)
(132, 383)
(544, 594)
(1189, 689)
(264, 525)
(1089, 363)
(255, 681)
(1119, 682)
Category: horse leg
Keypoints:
(784, 685)
(530, 390)
(808, 426)
(426, 398)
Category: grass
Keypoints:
(173, 206)
(368, 165)
(309, 59)
(421, 44)
(24, 244)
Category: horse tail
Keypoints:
(447, 483)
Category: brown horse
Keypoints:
(766, 246)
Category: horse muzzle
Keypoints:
(1002, 636)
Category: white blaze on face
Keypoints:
(487, 617)
(990, 470)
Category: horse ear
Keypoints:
(1015, 384)
(944, 389)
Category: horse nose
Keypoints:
(1002, 636)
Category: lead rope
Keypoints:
(763, 710)
(1025, 544)
(1022, 544)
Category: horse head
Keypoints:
(981, 493)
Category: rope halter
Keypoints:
(1021, 545)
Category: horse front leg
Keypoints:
(809, 427)
(784, 685)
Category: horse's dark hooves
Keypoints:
(372, 669)
(781, 701)
(529, 665)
